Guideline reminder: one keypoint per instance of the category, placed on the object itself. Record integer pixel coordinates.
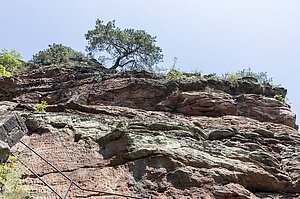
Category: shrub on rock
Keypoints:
(55, 54)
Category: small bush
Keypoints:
(3, 71)
(279, 98)
(40, 107)
(55, 54)
(261, 77)
(232, 76)
(10, 180)
(11, 60)
(177, 75)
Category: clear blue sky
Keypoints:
(212, 35)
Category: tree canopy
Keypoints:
(128, 48)
(56, 53)
(10, 59)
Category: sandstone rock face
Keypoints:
(144, 90)
(85, 85)
(200, 103)
(255, 106)
(112, 136)
(265, 109)
(161, 155)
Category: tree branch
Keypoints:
(117, 63)
(122, 65)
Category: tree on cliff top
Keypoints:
(128, 48)
(56, 53)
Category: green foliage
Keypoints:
(177, 75)
(3, 71)
(262, 77)
(232, 76)
(10, 60)
(128, 48)
(55, 54)
(279, 98)
(211, 76)
(40, 107)
(10, 180)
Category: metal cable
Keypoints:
(71, 180)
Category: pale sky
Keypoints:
(215, 36)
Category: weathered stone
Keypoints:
(265, 109)
(4, 152)
(264, 133)
(199, 103)
(12, 127)
(137, 89)
(90, 132)
(154, 152)
(218, 134)
(233, 190)
(218, 104)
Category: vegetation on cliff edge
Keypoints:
(128, 48)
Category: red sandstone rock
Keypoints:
(104, 135)
(265, 109)
(215, 104)
(199, 103)
(137, 89)
(160, 155)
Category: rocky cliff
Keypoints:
(138, 134)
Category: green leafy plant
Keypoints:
(279, 98)
(55, 54)
(232, 76)
(10, 59)
(177, 75)
(261, 77)
(40, 107)
(3, 71)
(10, 180)
(128, 48)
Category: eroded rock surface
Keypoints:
(110, 135)
(264, 109)
(162, 155)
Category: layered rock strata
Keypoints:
(162, 155)
(215, 104)
(138, 134)
(143, 90)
